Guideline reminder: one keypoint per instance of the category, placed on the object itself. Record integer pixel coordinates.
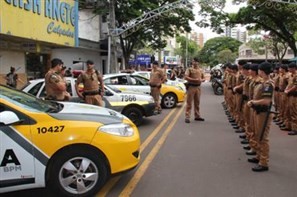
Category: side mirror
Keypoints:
(8, 118)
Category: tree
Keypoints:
(193, 48)
(152, 32)
(212, 47)
(226, 56)
(278, 18)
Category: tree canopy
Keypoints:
(211, 49)
(275, 17)
(193, 48)
(152, 32)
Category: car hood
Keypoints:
(85, 112)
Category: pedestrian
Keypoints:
(261, 103)
(55, 86)
(291, 91)
(194, 75)
(93, 85)
(155, 82)
(12, 78)
(172, 74)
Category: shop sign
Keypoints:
(54, 21)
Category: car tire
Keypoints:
(169, 100)
(134, 114)
(66, 172)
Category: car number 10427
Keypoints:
(127, 98)
(53, 129)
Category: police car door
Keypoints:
(140, 84)
(16, 154)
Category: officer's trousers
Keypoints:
(193, 94)
(293, 112)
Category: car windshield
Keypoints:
(28, 101)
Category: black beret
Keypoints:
(228, 65)
(265, 67)
(90, 62)
(234, 67)
(284, 66)
(246, 67)
(155, 63)
(254, 67)
(241, 62)
(292, 65)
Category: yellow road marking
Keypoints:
(109, 185)
(142, 169)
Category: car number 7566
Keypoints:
(127, 98)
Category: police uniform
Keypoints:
(52, 78)
(193, 93)
(292, 104)
(262, 122)
(156, 79)
(92, 92)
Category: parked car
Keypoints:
(171, 95)
(72, 148)
(176, 82)
(133, 105)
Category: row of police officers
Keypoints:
(250, 91)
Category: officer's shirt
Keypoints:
(292, 81)
(156, 77)
(90, 81)
(264, 90)
(51, 80)
(194, 73)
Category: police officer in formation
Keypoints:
(55, 86)
(248, 100)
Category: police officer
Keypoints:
(156, 79)
(195, 77)
(55, 86)
(291, 91)
(261, 103)
(93, 85)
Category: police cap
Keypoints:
(292, 65)
(254, 67)
(265, 67)
(241, 62)
(246, 67)
(90, 62)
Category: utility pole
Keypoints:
(112, 47)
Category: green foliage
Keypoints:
(278, 18)
(211, 49)
(193, 48)
(151, 32)
(226, 56)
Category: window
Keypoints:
(248, 53)
(136, 80)
(290, 52)
(34, 91)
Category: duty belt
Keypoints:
(91, 93)
(192, 84)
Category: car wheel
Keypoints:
(134, 114)
(169, 100)
(77, 172)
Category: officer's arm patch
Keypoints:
(267, 90)
(54, 79)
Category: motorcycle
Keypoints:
(217, 86)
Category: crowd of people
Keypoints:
(250, 91)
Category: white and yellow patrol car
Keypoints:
(72, 148)
(135, 106)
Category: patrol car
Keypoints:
(171, 95)
(72, 148)
(176, 82)
(134, 106)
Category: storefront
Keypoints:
(31, 30)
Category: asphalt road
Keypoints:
(206, 159)
(203, 159)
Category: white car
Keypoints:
(133, 105)
(176, 82)
(171, 95)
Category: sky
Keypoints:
(208, 34)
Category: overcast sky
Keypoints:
(208, 34)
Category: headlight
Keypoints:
(117, 129)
